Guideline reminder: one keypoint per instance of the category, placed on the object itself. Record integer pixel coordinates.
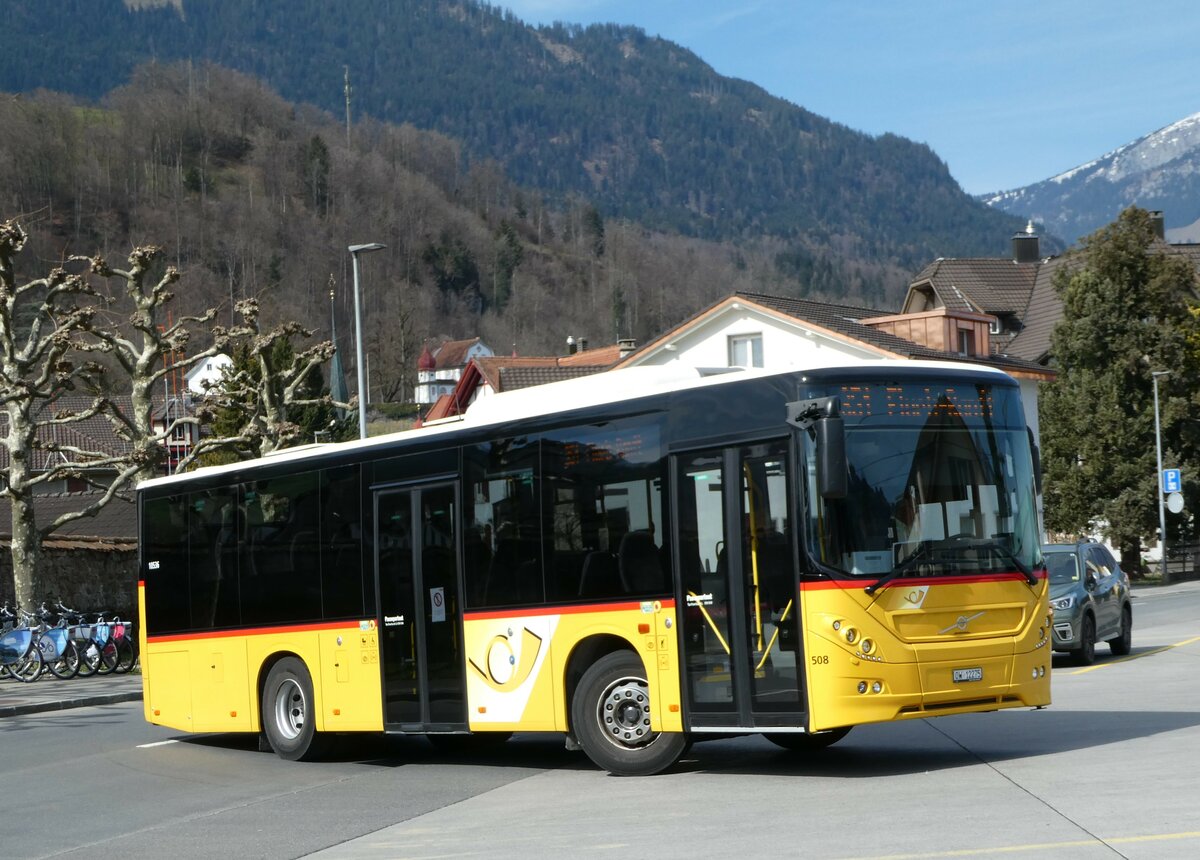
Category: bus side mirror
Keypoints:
(820, 417)
(831, 457)
(1037, 459)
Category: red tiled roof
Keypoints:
(453, 353)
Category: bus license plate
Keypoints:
(975, 674)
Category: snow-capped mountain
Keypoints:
(1159, 171)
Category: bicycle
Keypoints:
(60, 656)
(117, 652)
(20, 656)
(89, 642)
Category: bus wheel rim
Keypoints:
(290, 709)
(624, 712)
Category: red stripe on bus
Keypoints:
(564, 610)
(255, 631)
(908, 582)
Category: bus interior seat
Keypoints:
(514, 574)
(640, 563)
(601, 576)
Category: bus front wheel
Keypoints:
(610, 717)
(289, 712)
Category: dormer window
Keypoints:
(995, 326)
(966, 342)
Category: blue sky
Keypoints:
(1005, 93)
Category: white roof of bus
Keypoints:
(608, 387)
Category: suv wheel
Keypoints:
(1122, 644)
(1085, 654)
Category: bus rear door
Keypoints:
(416, 569)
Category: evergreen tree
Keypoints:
(1126, 313)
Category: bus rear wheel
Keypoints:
(807, 741)
(289, 712)
(610, 717)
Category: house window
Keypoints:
(995, 326)
(745, 350)
(966, 341)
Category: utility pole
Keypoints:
(347, 71)
(1158, 481)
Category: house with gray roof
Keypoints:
(1018, 291)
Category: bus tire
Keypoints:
(289, 712)
(807, 742)
(610, 717)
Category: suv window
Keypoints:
(1100, 561)
(1063, 566)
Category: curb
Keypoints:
(67, 704)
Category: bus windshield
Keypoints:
(940, 482)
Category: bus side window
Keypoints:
(166, 531)
(504, 560)
(341, 543)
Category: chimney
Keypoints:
(583, 344)
(1156, 220)
(1026, 247)
(571, 345)
(626, 346)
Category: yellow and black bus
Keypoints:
(634, 560)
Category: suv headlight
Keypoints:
(1063, 602)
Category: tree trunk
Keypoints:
(1131, 558)
(26, 543)
(26, 555)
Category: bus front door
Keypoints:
(739, 602)
(416, 570)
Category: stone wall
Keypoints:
(88, 579)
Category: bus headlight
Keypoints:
(851, 635)
(862, 686)
(876, 687)
(867, 646)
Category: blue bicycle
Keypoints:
(20, 656)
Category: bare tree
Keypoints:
(40, 323)
(266, 392)
(149, 352)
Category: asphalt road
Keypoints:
(1112, 769)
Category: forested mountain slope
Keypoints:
(251, 195)
(639, 126)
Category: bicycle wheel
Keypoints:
(89, 658)
(67, 665)
(126, 656)
(108, 657)
(28, 668)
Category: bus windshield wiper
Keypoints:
(904, 567)
(1009, 556)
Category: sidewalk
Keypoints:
(48, 693)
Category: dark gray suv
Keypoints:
(1089, 596)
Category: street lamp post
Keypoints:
(355, 250)
(1162, 515)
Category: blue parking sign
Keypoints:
(1171, 481)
